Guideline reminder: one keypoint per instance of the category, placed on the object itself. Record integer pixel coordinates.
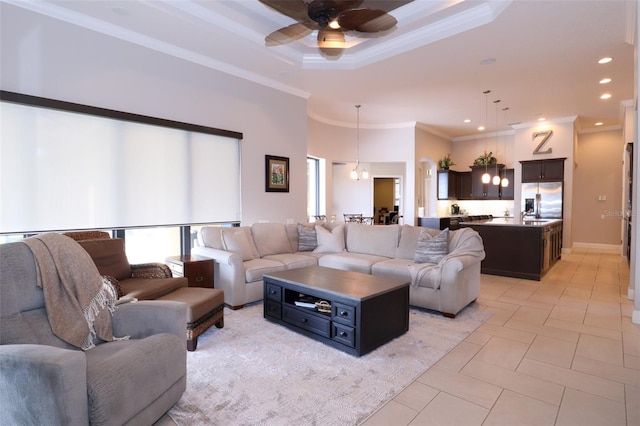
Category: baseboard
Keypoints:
(596, 246)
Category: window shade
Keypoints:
(68, 170)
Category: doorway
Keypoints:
(386, 199)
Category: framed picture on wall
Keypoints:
(276, 174)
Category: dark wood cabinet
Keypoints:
(484, 191)
(197, 269)
(507, 192)
(464, 188)
(543, 170)
(447, 184)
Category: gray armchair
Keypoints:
(44, 380)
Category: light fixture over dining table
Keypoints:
(357, 173)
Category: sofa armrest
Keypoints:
(229, 273)
(42, 384)
(149, 317)
(150, 270)
(458, 262)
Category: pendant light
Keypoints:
(505, 181)
(355, 173)
(496, 177)
(486, 177)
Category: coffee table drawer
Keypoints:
(274, 292)
(273, 309)
(344, 334)
(344, 314)
(307, 320)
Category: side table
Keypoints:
(197, 269)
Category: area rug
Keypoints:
(254, 372)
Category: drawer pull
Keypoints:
(304, 320)
(344, 313)
(342, 334)
(200, 278)
(272, 292)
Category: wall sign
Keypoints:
(546, 135)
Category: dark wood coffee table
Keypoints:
(366, 310)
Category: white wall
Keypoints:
(44, 57)
(337, 144)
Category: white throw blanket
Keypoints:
(78, 302)
(464, 241)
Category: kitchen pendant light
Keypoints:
(486, 177)
(357, 174)
(496, 177)
(505, 181)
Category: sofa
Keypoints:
(443, 267)
(46, 380)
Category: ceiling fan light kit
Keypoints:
(331, 18)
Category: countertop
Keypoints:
(510, 221)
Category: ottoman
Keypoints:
(205, 308)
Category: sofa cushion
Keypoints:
(409, 240)
(211, 236)
(330, 241)
(256, 268)
(109, 256)
(236, 240)
(307, 237)
(431, 249)
(150, 289)
(270, 238)
(377, 240)
(294, 260)
(357, 262)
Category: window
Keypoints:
(313, 186)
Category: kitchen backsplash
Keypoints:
(477, 207)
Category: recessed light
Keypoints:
(605, 60)
(467, 121)
(605, 80)
(605, 96)
(541, 119)
(599, 123)
(481, 128)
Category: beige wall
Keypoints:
(598, 173)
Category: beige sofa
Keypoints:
(444, 281)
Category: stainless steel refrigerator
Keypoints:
(543, 199)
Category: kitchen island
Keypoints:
(525, 248)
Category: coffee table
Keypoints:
(366, 310)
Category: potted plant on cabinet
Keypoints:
(445, 162)
(485, 160)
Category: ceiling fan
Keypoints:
(332, 18)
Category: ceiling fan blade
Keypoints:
(344, 5)
(287, 34)
(367, 20)
(295, 9)
(330, 39)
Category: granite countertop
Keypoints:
(510, 221)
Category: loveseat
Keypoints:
(46, 380)
(443, 267)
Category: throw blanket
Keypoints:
(465, 242)
(79, 304)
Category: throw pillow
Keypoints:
(330, 241)
(237, 242)
(307, 238)
(431, 249)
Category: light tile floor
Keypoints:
(561, 351)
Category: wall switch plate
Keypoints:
(602, 198)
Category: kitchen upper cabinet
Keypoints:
(484, 191)
(507, 193)
(543, 170)
(464, 189)
(447, 184)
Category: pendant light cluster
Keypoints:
(486, 176)
(505, 182)
(357, 173)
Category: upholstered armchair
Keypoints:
(146, 281)
(45, 380)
